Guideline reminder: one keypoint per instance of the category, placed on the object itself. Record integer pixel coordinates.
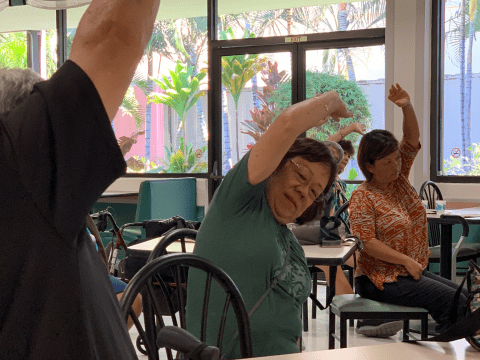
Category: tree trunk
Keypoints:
(148, 112)
(237, 155)
(226, 133)
(289, 20)
(468, 90)
(256, 103)
(462, 82)
(343, 22)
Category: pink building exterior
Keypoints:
(124, 125)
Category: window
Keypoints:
(161, 126)
(358, 75)
(316, 64)
(455, 120)
(327, 16)
(35, 48)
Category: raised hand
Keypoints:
(358, 128)
(399, 96)
(336, 108)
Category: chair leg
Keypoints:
(314, 290)
(406, 330)
(305, 315)
(424, 329)
(331, 329)
(343, 333)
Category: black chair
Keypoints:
(176, 235)
(164, 280)
(462, 252)
(314, 271)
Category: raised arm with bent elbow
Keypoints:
(109, 43)
(411, 131)
(292, 122)
(357, 127)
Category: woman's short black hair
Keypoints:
(375, 145)
(312, 151)
(347, 147)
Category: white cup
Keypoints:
(425, 204)
(440, 207)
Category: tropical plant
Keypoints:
(464, 165)
(184, 159)
(130, 106)
(319, 83)
(352, 175)
(237, 71)
(262, 119)
(181, 92)
(13, 50)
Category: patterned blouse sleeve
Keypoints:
(408, 153)
(362, 215)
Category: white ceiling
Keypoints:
(20, 18)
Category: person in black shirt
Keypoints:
(58, 154)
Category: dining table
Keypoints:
(315, 255)
(455, 350)
(471, 215)
(331, 257)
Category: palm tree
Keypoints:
(13, 50)
(181, 92)
(237, 71)
(342, 17)
(154, 46)
(472, 13)
(186, 40)
(455, 35)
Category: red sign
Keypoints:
(198, 153)
(456, 152)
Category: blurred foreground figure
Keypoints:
(58, 154)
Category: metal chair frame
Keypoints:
(154, 285)
(461, 252)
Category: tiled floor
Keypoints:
(317, 337)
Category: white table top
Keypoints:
(456, 350)
(149, 245)
(318, 255)
(467, 213)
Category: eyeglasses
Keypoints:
(315, 194)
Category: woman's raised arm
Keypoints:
(267, 153)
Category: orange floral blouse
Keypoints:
(396, 217)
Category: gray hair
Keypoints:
(335, 149)
(15, 86)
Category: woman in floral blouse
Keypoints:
(387, 214)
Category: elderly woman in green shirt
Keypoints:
(281, 180)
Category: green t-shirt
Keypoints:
(240, 235)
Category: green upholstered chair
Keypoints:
(352, 306)
(164, 198)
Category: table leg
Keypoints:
(446, 251)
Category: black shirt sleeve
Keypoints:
(64, 147)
